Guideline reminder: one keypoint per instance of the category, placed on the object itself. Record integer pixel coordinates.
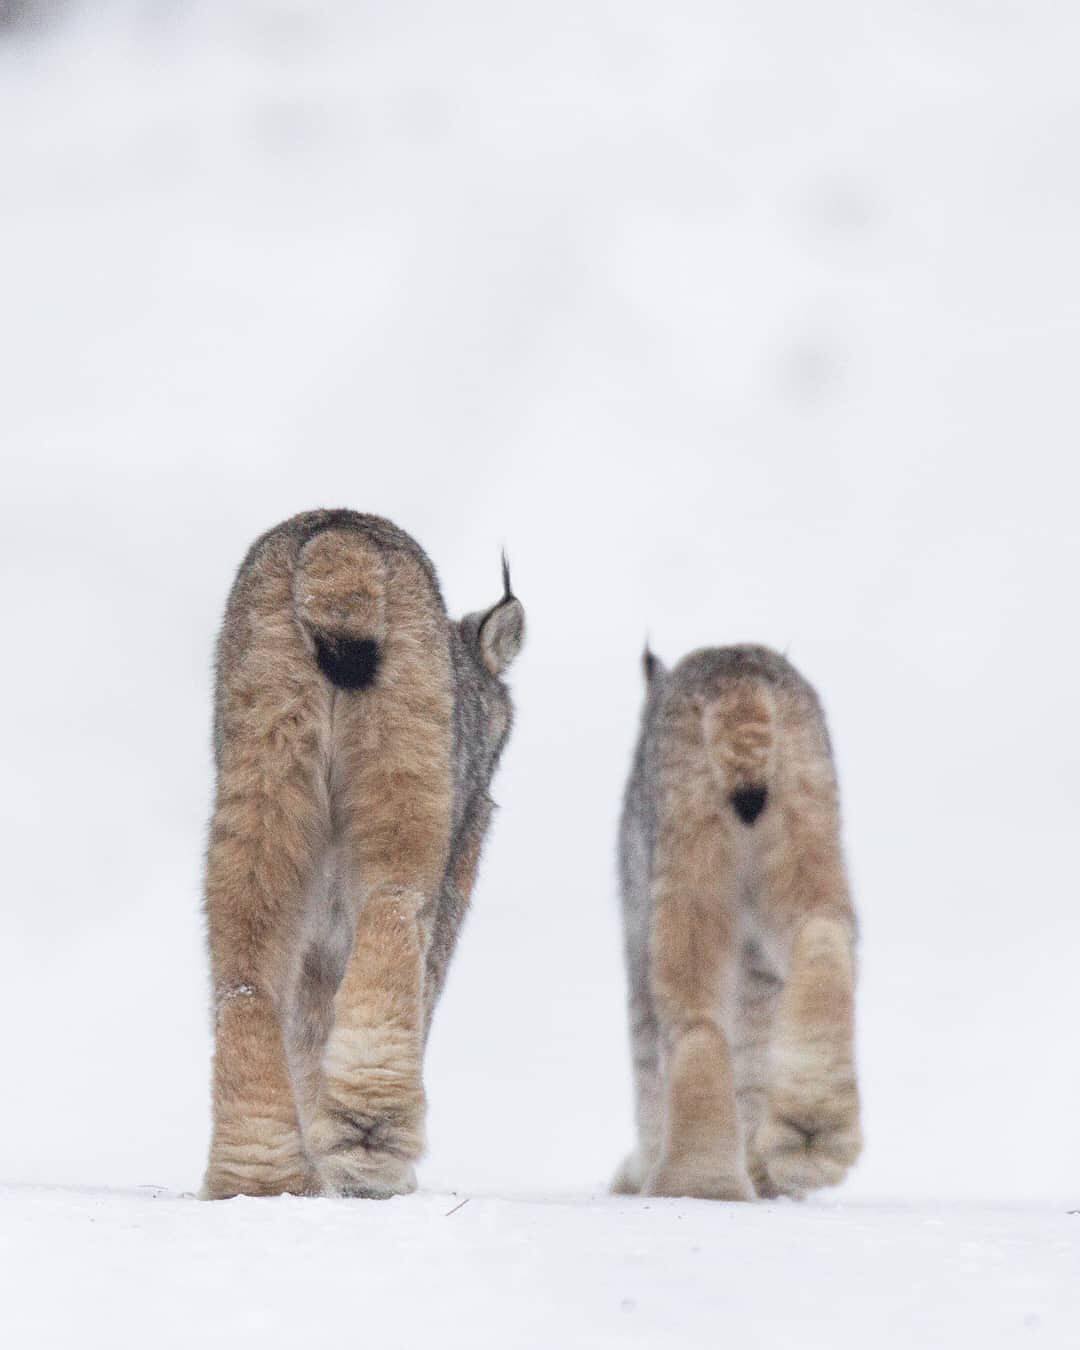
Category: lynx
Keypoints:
(739, 936)
(356, 732)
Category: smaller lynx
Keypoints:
(739, 936)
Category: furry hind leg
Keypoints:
(263, 843)
(811, 1133)
(759, 990)
(394, 745)
(693, 970)
(648, 1100)
(645, 1049)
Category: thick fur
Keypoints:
(739, 935)
(356, 733)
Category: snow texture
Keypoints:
(734, 323)
(530, 1274)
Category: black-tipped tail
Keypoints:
(347, 662)
(749, 802)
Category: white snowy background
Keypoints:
(733, 322)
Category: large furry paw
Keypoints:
(699, 1181)
(228, 1177)
(798, 1150)
(363, 1155)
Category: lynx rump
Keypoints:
(739, 933)
(356, 732)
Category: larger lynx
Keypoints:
(739, 936)
(356, 732)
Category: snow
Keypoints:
(732, 323)
(156, 1268)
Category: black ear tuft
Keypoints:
(651, 664)
(749, 802)
(347, 662)
(500, 632)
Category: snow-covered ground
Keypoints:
(734, 323)
(122, 1268)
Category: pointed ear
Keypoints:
(651, 664)
(502, 631)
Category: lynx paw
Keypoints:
(359, 1176)
(704, 1183)
(798, 1151)
(227, 1177)
(362, 1155)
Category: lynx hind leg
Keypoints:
(693, 975)
(644, 1027)
(641, 1162)
(263, 842)
(367, 1127)
(759, 991)
(392, 747)
(811, 1133)
(324, 953)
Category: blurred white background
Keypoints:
(733, 323)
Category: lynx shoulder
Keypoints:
(739, 935)
(356, 731)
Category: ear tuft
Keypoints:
(651, 664)
(502, 631)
